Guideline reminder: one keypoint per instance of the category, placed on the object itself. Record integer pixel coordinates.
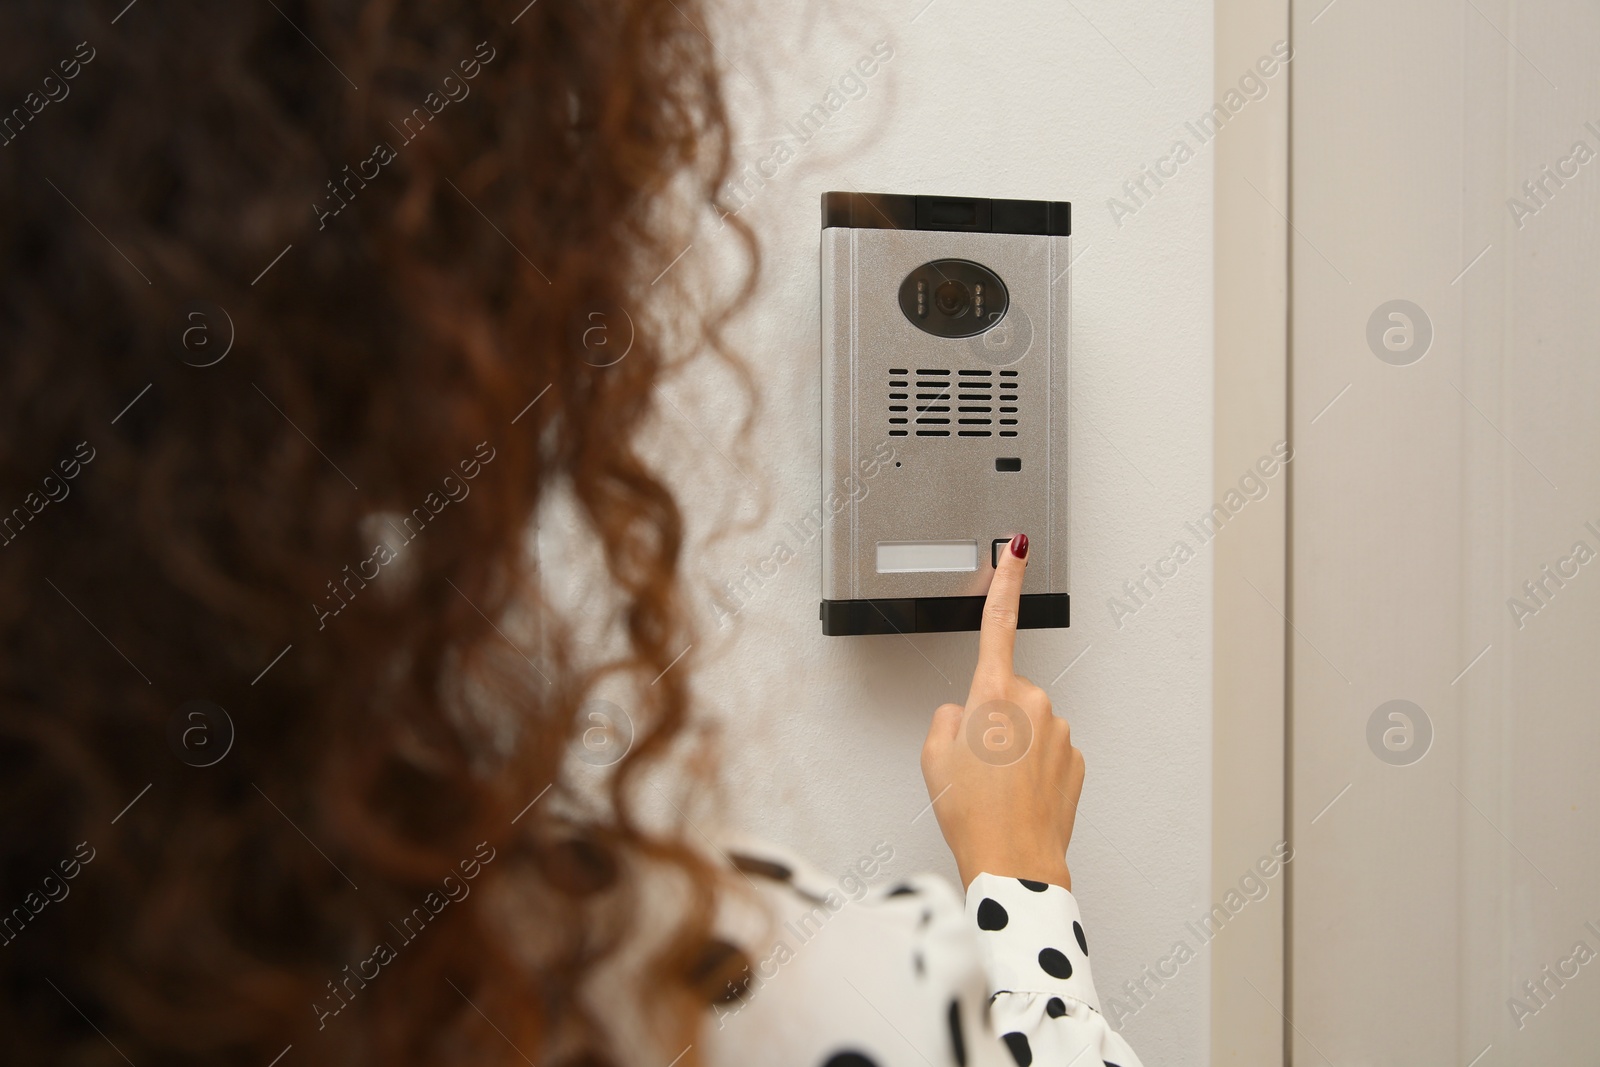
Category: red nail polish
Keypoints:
(1019, 546)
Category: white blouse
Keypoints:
(903, 975)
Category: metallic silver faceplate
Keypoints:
(945, 488)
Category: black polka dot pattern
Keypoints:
(1054, 962)
(992, 915)
(849, 1058)
(1021, 933)
(1021, 1051)
(761, 868)
(958, 1043)
(1021, 930)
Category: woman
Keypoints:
(297, 313)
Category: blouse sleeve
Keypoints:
(870, 968)
(1035, 958)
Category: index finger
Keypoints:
(998, 635)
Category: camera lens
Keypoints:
(952, 297)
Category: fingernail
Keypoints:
(1019, 546)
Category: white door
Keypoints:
(1444, 664)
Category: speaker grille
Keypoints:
(939, 402)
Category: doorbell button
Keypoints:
(994, 550)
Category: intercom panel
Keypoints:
(944, 408)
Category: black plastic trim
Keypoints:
(935, 614)
(964, 214)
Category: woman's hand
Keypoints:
(1002, 772)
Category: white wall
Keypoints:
(1029, 100)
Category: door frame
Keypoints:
(1249, 966)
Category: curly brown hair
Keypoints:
(305, 503)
